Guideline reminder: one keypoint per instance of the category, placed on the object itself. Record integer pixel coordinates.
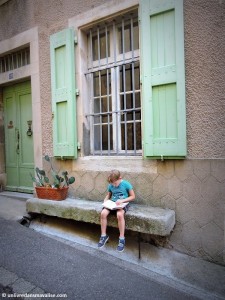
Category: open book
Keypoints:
(112, 205)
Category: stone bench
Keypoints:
(139, 218)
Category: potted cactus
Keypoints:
(55, 189)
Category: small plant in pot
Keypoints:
(55, 189)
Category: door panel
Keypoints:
(26, 141)
(10, 139)
(19, 145)
(11, 121)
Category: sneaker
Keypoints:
(121, 245)
(102, 241)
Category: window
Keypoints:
(15, 60)
(116, 120)
(114, 73)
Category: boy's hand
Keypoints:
(118, 202)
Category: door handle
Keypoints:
(17, 141)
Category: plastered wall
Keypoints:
(204, 59)
(205, 84)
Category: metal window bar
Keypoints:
(132, 36)
(100, 107)
(134, 115)
(98, 46)
(116, 90)
(133, 83)
(91, 49)
(108, 109)
(113, 112)
(111, 65)
(124, 87)
(106, 45)
(107, 90)
(91, 91)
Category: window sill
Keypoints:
(129, 164)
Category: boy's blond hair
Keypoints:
(114, 176)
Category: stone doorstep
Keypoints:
(140, 218)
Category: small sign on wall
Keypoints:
(10, 75)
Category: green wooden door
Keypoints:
(18, 137)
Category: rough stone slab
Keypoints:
(7, 277)
(22, 286)
(141, 218)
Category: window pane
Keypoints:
(125, 36)
(137, 100)
(105, 82)
(97, 120)
(103, 137)
(138, 136)
(135, 114)
(135, 36)
(97, 137)
(107, 142)
(129, 76)
(133, 140)
(103, 106)
(127, 134)
(99, 46)
(96, 84)
(102, 81)
(136, 76)
(97, 105)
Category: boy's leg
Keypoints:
(104, 237)
(104, 214)
(121, 225)
(121, 222)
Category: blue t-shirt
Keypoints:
(121, 191)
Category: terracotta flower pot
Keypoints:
(51, 193)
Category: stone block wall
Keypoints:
(194, 189)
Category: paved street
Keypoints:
(44, 264)
(58, 257)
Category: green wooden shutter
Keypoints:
(63, 94)
(163, 78)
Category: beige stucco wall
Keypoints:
(205, 64)
(194, 187)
